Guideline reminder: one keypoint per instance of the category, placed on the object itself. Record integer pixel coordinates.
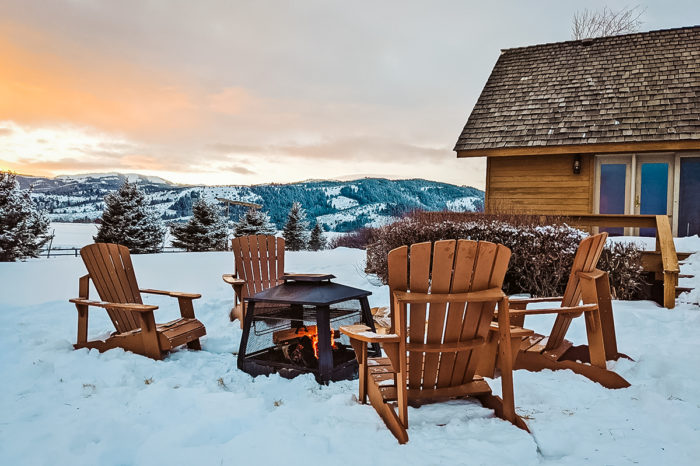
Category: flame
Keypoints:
(314, 342)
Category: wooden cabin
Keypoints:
(608, 125)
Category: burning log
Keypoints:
(300, 345)
(300, 351)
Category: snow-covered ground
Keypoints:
(61, 406)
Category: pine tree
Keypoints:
(23, 228)
(128, 221)
(295, 236)
(254, 222)
(317, 240)
(205, 231)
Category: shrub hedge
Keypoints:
(541, 255)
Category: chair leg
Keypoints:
(594, 326)
(360, 348)
(149, 335)
(194, 345)
(505, 355)
(606, 316)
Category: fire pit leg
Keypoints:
(325, 352)
(248, 322)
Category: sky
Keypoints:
(247, 92)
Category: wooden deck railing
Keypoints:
(664, 243)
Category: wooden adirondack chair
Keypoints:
(259, 265)
(110, 269)
(437, 357)
(588, 293)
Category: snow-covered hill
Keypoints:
(337, 205)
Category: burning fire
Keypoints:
(314, 341)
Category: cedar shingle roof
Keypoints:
(641, 87)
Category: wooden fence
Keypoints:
(55, 252)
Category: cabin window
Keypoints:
(613, 193)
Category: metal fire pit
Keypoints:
(296, 305)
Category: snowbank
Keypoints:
(62, 406)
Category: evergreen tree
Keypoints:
(205, 231)
(294, 232)
(317, 240)
(254, 222)
(23, 228)
(128, 221)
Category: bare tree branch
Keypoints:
(606, 22)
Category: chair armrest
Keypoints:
(364, 333)
(134, 307)
(534, 300)
(591, 275)
(556, 310)
(232, 280)
(172, 294)
(492, 294)
(515, 331)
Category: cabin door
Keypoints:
(689, 197)
(654, 187)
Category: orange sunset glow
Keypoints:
(238, 93)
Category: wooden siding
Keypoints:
(539, 185)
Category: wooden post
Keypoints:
(669, 259)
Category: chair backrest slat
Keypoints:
(448, 266)
(112, 273)
(585, 260)
(259, 260)
(461, 282)
(419, 281)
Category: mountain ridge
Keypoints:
(336, 205)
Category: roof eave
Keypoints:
(602, 148)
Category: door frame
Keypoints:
(633, 175)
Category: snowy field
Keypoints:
(61, 406)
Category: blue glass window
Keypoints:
(612, 192)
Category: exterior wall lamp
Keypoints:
(577, 165)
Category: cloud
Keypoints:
(39, 87)
(239, 169)
(6, 131)
(350, 149)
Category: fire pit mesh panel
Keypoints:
(274, 329)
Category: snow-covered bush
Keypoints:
(205, 231)
(357, 239)
(317, 241)
(623, 261)
(254, 222)
(23, 228)
(128, 221)
(541, 255)
(295, 235)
